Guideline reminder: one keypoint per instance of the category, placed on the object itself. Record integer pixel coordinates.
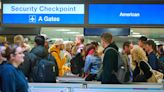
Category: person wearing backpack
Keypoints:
(110, 60)
(38, 52)
(55, 51)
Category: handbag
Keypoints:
(156, 77)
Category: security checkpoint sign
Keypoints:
(43, 14)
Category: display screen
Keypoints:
(20, 30)
(43, 14)
(126, 14)
(99, 31)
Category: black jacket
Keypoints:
(31, 58)
(110, 62)
(40, 51)
(145, 75)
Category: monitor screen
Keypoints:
(126, 14)
(114, 31)
(19, 30)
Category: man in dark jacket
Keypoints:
(151, 51)
(110, 60)
(39, 51)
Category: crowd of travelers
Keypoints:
(20, 64)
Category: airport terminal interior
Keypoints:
(91, 29)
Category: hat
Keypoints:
(58, 42)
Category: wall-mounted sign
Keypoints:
(43, 14)
(126, 14)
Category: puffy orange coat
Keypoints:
(60, 62)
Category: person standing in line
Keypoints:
(151, 51)
(92, 63)
(67, 51)
(127, 46)
(141, 42)
(55, 50)
(110, 60)
(13, 79)
(19, 40)
(141, 70)
(79, 43)
(160, 51)
(3, 61)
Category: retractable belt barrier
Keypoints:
(76, 84)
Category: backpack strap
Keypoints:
(110, 48)
(52, 58)
(149, 66)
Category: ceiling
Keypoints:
(157, 33)
(66, 33)
(69, 33)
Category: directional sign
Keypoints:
(43, 14)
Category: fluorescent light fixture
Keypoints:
(72, 32)
(54, 39)
(63, 30)
(157, 41)
(135, 33)
(136, 36)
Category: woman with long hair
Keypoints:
(141, 69)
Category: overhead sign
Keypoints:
(43, 14)
(126, 14)
(100, 31)
(43, 1)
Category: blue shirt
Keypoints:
(13, 80)
(152, 60)
(92, 64)
(4, 62)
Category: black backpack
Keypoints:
(27, 65)
(51, 58)
(44, 71)
(77, 63)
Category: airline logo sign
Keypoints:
(126, 14)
